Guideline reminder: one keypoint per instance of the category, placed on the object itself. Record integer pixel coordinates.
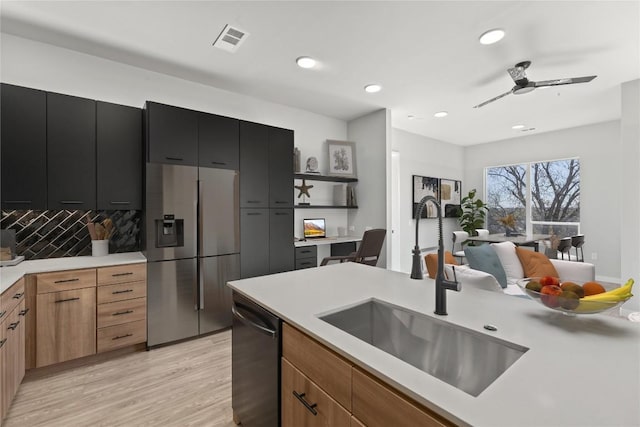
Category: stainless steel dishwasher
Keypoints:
(255, 364)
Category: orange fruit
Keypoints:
(592, 288)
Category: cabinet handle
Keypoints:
(121, 292)
(305, 252)
(71, 202)
(13, 325)
(279, 202)
(177, 159)
(128, 273)
(305, 263)
(18, 295)
(254, 213)
(310, 407)
(120, 203)
(121, 336)
(67, 280)
(17, 201)
(120, 313)
(253, 201)
(66, 300)
(2, 342)
(23, 312)
(282, 213)
(219, 163)
(3, 312)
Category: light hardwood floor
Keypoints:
(186, 384)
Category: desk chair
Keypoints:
(564, 248)
(577, 242)
(368, 252)
(460, 237)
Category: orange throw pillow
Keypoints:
(535, 264)
(432, 262)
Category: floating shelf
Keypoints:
(314, 177)
(324, 207)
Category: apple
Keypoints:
(550, 295)
(549, 281)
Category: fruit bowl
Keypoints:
(570, 306)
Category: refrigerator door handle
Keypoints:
(200, 293)
(200, 306)
(239, 316)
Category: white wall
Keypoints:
(370, 134)
(629, 158)
(424, 156)
(601, 196)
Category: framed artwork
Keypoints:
(450, 196)
(425, 186)
(342, 158)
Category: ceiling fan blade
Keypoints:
(568, 81)
(493, 99)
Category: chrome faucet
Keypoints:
(442, 284)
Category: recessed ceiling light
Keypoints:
(373, 88)
(441, 114)
(492, 36)
(516, 127)
(306, 62)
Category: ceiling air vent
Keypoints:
(230, 38)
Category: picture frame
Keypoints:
(450, 197)
(425, 186)
(342, 158)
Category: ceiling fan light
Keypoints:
(491, 36)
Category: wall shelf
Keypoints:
(314, 177)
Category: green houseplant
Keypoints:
(474, 212)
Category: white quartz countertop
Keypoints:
(578, 371)
(10, 275)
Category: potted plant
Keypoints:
(474, 212)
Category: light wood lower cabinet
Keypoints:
(341, 393)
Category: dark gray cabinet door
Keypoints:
(119, 156)
(281, 249)
(218, 142)
(254, 165)
(254, 242)
(71, 152)
(172, 134)
(280, 168)
(24, 151)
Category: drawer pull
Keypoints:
(121, 292)
(310, 407)
(121, 336)
(13, 325)
(219, 163)
(254, 201)
(120, 313)
(71, 202)
(177, 159)
(282, 213)
(128, 273)
(67, 300)
(120, 203)
(2, 342)
(18, 295)
(305, 263)
(67, 280)
(3, 312)
(254, 213)
(17, 201)
(23, 312)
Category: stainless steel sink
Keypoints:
(466, 359)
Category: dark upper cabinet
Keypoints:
(254, 165)
(281, 249)
(119, 156)
(254, 242)
(218, 142)
(24, 147)
(172, 134)
(71, 152)
(280, 168)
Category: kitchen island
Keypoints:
(580, 371)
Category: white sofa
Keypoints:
(567, 270)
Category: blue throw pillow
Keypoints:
(485, 258)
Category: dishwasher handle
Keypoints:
(251, 324)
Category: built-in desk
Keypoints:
(309, 252)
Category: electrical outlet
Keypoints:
(594, 256)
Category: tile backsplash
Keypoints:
(63, 233)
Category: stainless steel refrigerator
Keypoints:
(192, 250)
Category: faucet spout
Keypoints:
(442, 284)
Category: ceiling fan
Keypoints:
(524, 85)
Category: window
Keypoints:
(543, 197)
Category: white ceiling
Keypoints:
(425, 54)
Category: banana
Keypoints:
(623, 292)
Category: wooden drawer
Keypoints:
(65, 280)
(122, 274)
(307, 252)
(116, 313)
(11, 298)
(121, 291)
(377, 405)
(122, 335)
(321, 365)
(301, 398)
